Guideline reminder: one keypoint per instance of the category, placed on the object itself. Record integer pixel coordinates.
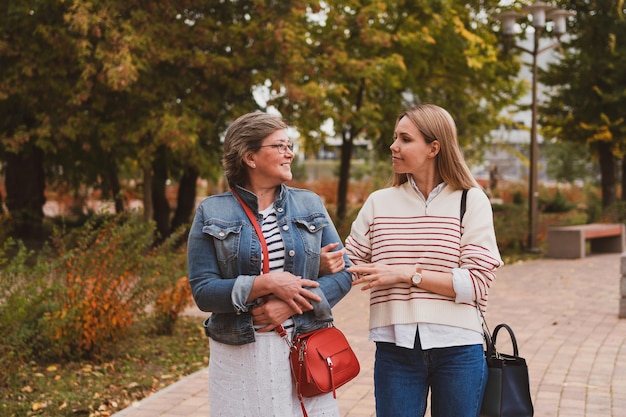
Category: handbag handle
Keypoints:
(511, 334)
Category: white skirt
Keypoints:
(254, 380)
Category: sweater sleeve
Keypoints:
(479, 249)
(358, 244)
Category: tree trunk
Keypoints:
(623, 196)
(147, 193)
(160, 204)
(344, 174)
(186, 198)
(25, 183)
(607, 174)
(114, 183)
(347, 145)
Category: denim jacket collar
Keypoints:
(253, 201)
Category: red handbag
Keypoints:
(321, 362)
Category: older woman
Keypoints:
(428, 273)
(250, 291)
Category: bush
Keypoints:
(84, 293)
(169, 304)
(510, 235)
(557, 204)
(25, 296)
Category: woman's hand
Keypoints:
(376, 274)
(291, 289)
(271, 313)
(331, 262)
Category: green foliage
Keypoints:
(569, 162)
(558, 203)
(510, 235)
(518, 198)
(82, 295)
(594, 204)
(26, 295)
(586, 88)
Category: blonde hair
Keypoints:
(436, 124)
(244, 135)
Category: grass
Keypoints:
(138, 366)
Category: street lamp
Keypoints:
(539, 12)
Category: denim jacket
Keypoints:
(224, 257)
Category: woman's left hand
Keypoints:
(272, 313)
(376, 274)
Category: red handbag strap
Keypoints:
(266, 257)
(266, 268)
(257, 228)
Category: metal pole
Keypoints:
(533, 193)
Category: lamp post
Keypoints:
(539, 12)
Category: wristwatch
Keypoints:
(416, 279)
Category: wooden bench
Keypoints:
(571, 241)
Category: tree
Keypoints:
(365, 61)
(114, 86)
(36, 73)
(587, 102)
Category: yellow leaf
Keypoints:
(51, 368)
(38, 406)
(28, 389)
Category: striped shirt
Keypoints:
(397, 226)
(273, 239)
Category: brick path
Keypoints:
(563, 312)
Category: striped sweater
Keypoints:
(396, 227)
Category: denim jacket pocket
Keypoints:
(310, 229)
(226, 238)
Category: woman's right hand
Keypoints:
(291, 289)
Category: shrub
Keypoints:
(106, 280)
(85, 291)
(173, 296)
(24, 296)
(558, 203)
(510, 234)
(169, 304)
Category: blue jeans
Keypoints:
(456, 377)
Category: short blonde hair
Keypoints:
(244, 135)
(436, 124)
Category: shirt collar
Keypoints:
(432, 194)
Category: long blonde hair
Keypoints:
(436, 124)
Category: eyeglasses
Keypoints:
(281, 147)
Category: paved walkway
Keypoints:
(563, 312)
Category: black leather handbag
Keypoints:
(508, 386)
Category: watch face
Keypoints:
(417, 278)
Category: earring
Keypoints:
(252, 165)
